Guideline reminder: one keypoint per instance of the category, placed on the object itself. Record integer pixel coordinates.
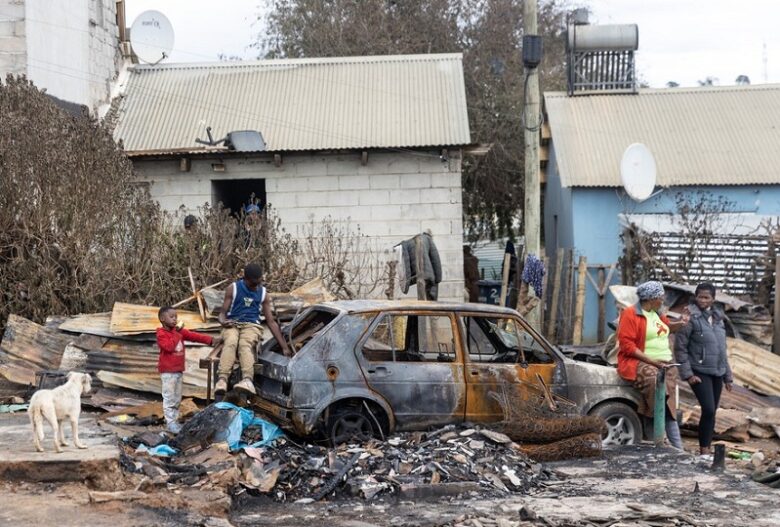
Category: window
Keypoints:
(502, 340)
(411, 338)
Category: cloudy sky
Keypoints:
(679, 40)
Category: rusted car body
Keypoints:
(372, 367)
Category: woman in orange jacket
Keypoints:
(643, 337)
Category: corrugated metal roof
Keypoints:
(699, 136)
(299, 104)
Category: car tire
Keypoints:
(349, 423)
(623, 424)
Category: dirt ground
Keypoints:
(631, 486)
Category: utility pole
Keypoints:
(531, 210)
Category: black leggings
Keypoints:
(708, 393)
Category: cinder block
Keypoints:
(416, 181)
(322, 183)
(294, 215)
(342, 165)
(387, 212)
(291, 184)
(446, 180)
(340, 198)
(374, 228)
(354, 182)
(435, 195)
(437, 227)
(384, 181)
(374, 197)
(7, 28)
(13, 45)
(313, 166)
(285, 199)
(405, 196)
(405, 229)
(403, 165)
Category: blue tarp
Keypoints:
(244, 420)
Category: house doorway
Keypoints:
(235, 194)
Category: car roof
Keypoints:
(368, 306)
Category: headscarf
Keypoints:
(650, 290)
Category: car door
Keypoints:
(414, 361)
(503, 360)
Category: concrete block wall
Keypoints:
(391, 198)
(69, 48)
(104, 54)
(13, 45)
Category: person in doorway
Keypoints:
(471, 273)
(644, 348)
(245, 307)
(170, 340)
(700, 349)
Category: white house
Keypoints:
(69, 48)
(376, 140)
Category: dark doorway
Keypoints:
(235, 194)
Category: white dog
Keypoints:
(56, 405)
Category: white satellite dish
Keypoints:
(151, 37)
(637, 172)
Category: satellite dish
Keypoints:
(637, 172)
(151, 37)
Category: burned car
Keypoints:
(363, 368)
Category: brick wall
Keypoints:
(391, 198)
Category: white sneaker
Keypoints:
(246, 385)
(221, 386)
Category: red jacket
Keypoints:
(631, 334)
(171, 344)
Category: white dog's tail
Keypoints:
(36, 420)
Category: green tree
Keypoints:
(488, 32)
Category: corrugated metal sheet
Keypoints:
(699, 136)
(131, 319)
(28, 347)
(299, 104)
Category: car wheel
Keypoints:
(623, 425)
(349, 424)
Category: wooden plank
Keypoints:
(556, 291)
(27, 348)
(131, 319)
(579, 308)
(201, 308)
(504, 279)
(602, 306)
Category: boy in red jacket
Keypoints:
(170, 340)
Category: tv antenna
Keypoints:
(151, 37)
(638, 172)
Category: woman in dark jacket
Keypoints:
(700, 349)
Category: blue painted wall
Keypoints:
(592, 228)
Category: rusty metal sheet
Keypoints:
(754, 367)
(28, 347)
(738, 403)
(193, 382)
(98, 324)
(131, 319)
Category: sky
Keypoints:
(679, 40)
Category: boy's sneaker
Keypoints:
(246, 385)
(221, 386)
(174, 427)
